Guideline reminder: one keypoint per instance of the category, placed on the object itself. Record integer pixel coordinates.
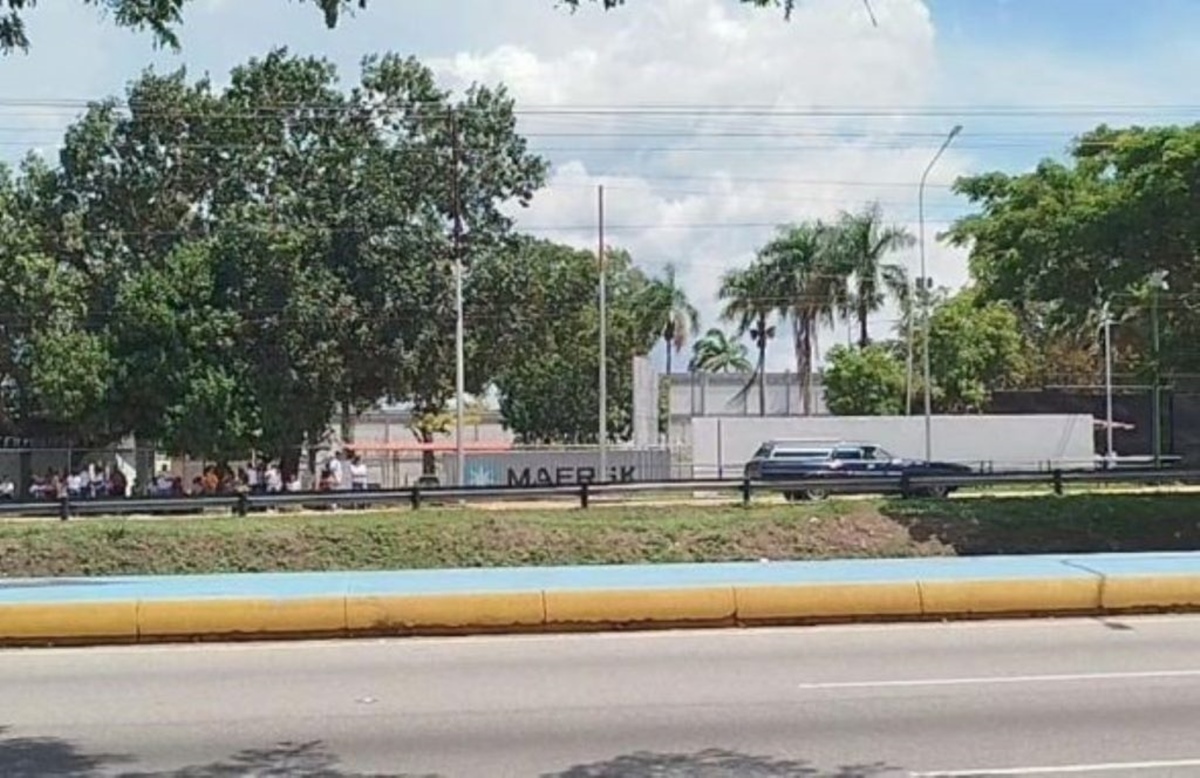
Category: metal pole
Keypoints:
(459, 334)
(912, 335)
(1156, 403)
(924, 281)
(1109, 454)
(603, 384)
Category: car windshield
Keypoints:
(881, 453)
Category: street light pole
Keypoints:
(924, 281)
(603, 384)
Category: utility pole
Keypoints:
(1109, 454)
(460, 358)
(603, 384)
(1158, 282)
(924, 282)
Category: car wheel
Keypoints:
(937, 492)
(793, 496)
(816, 495)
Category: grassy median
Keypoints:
(472, 538)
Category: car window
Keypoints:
(880, 454)
(763, 452)
(801, 453)
(848, 453)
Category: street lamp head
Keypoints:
(954, 132)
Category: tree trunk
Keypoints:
(864, 338)
(428, 457)
(347, 423)
(803, 348)
(762, 366)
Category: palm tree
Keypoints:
(750, 304)
(809, 276)
(863, 242)
(677, 318)
(716, 352)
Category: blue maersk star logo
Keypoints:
(479, 475)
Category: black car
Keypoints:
(789, 460)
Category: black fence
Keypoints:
(583, 494)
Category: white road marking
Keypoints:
(1075, 769)
(1003, 679)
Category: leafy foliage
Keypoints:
(548, 344)
(233, 265)
(1058, 243)
(866, 381)
(716, 352)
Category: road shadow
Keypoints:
(45, 757)
(295, 760)
(35, 757)
(714, 763)
(1070, 524)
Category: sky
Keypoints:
(766, 121)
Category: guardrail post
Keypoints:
(1058, 482)
(242, 509)
(746, 492)
(906, 484)
(414, 497)
(583, 495)
(64, 507)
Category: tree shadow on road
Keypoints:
(34, 757)
(714, 763)
(1071, 524)
(40, 757)
(299, 760)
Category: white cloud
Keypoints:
(730, 177)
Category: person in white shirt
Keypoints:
(337, 475)
(358, 474)
(274, 479)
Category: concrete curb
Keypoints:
(148, 620)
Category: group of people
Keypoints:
(344, 471)
(90, 482)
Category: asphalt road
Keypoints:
(1079, 697)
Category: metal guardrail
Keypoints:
(583, 493)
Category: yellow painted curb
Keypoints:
(462, 611)
(817, 601)
(1165, 591)
(198, 618)
(615, 606)
(1058, 595)
(69, 621)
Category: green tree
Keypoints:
(677, 319)
(810, 278)
(866, 381)
(751, 303)
(1059, 242)
(55, 367)
(975, 348)
(543, 327)
(319, 230)
(716, 352)
(863, 242)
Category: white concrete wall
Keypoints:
(706, 394)
(721, 446)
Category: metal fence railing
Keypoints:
(745, 490)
